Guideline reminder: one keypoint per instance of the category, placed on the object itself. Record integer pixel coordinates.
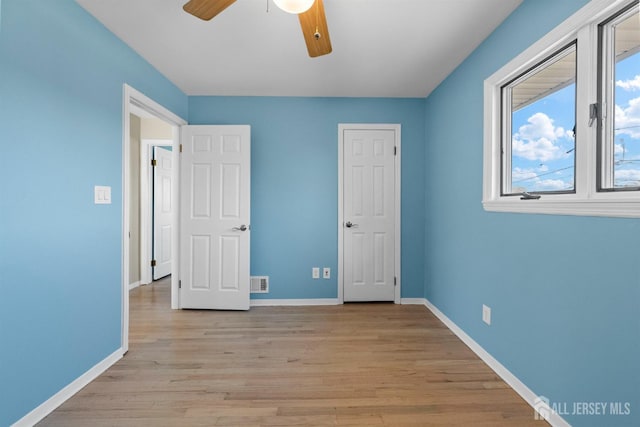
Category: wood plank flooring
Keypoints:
(350, 365)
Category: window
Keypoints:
(562, 120)
(619, 96)
(538, 137)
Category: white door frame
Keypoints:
(132, 99)
(342, 127)
(146, 206)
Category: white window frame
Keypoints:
(507, 116)
(607, 102)
(587, 200)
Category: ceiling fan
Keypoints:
(310, 13)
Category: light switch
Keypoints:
(102, 195)
(486, 314)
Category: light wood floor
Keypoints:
(350, 365)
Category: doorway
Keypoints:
(162, 212)
(156, 206)
(369, 213)
(138, 103)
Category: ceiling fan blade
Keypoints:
(315, 30)
(206, 9)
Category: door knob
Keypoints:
(349, 224)
(241, 228)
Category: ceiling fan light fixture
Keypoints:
(294, 6)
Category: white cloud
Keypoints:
(541, 149)
(630, 85)
(539, 126)
(628, 119)
(537, 139)
(529, 180)
(618, 149)
(519, 174)
(554, 185)
(627, 176)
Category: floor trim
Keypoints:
(319, 301)
(293, 302)
(66, 393)
(413, 301)
(521, 388)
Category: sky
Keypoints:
(543, 155)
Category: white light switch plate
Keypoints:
(315, 272)
(326, 273)
(486, 314)
(102, 195)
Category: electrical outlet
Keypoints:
(315, 272)
(326, 273)
(486, 314)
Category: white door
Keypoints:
(162, 212)
(214, 217)
(368, 192)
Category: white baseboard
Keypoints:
(413, 301)
(521, 388)
(63, 395)
(320, 301)
(134, 285)
(293, 302)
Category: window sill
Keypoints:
(620, 207)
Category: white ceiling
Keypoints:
(381, 48)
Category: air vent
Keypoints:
(259, 284)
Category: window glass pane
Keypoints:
(626, 127)
(542, 118)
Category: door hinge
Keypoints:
(395, 150)
(179, 284)
(153, 263)
(154, 162)
(181, 148)
(395, 281)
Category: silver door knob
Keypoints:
(241, 228)
(349, 224)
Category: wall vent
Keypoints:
(259, 284)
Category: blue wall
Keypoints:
(294, 183)
(564, 291)
(61, 77)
